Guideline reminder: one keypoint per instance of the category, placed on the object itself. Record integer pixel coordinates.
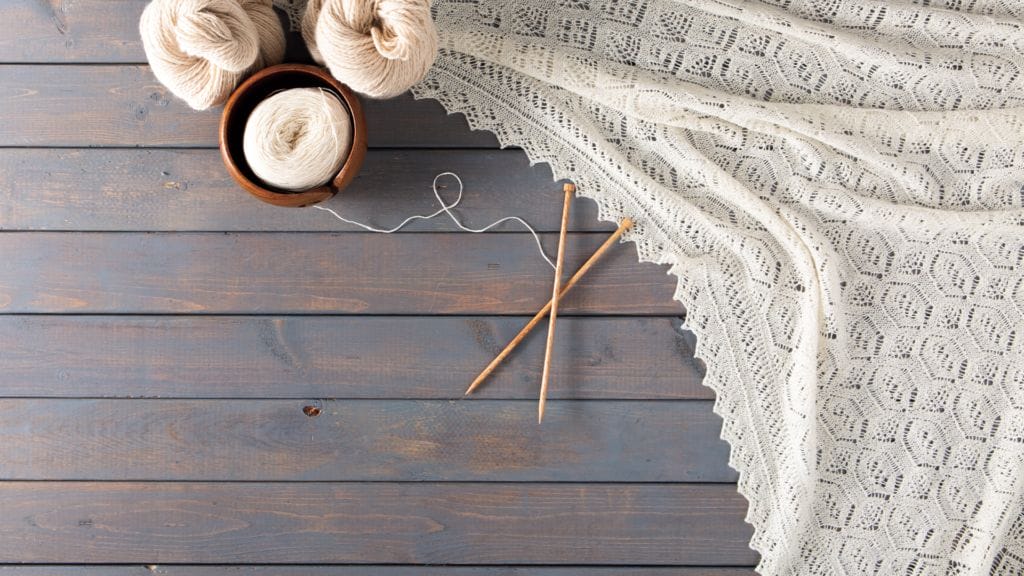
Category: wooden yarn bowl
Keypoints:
(258, 88)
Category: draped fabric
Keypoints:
(839, 187)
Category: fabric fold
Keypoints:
(839, 188)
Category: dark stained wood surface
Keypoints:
(409, 523)
(193, 383)
(364, 570)
(444, 273)
(126, 106)
(339, 357)
(351, 440)
(78, 31)
(189, 190)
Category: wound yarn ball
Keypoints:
(298, 139)
(201, 49)
(379, 48)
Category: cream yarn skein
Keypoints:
(380, 48)
(271, 34)
(201, 49)
(298, 139)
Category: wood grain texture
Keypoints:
(86, 32)
(126, 159)
(91, 106)
(378, 523)
(195, 570)
(356, 440)
(273, 273)
(338, 357)
(72, 31)
(189, 190)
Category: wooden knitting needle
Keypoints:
(555, 290)
(626, 224)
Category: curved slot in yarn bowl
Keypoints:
(258, 88)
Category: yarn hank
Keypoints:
(201, 49)
(298, 139)
(380, 48)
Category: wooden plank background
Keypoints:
(413, 523)
(339, 357)
(159, 190)
(365, 570)
(125, 106)
(355, 440)
(83, 31)
(195, 383)
(274, 273)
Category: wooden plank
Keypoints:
(362, 570)
(339, 357)
(91, 106)
(85, 32)
(377, 523)
(361, 440)
(189, 190)
(56, 272)
(79, 31)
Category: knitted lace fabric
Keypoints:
(838, 186)
(293, 9)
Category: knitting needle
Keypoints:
(555, 290)
(626, 224)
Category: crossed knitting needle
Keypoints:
(558, 292)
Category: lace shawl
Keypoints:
(838, 186)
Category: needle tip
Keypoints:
(568, 187)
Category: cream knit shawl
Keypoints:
(838, 185)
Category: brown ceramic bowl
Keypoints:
(258, 88)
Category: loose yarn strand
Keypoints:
(446, 209)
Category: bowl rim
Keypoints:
(348, 169)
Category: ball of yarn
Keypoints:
(201, 49)
(298, 139)
(380, 48)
